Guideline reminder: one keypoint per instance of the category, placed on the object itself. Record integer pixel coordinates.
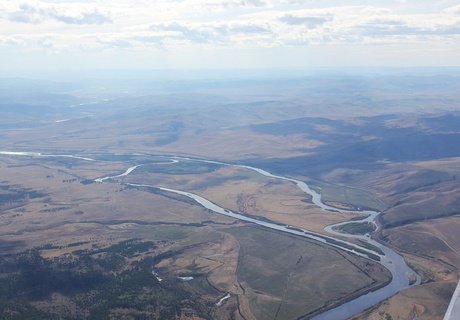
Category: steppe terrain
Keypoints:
(72, 246)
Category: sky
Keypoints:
(227, 34)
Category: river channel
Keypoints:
(402, 275)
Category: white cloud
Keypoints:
(236, 3)
(130, 25)
(27, 13)
(453, 10)
(308, 21)
(400, 27)
(216, 33)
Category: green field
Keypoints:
(287, 277)
(181, 167)
(357, 198)
(356, 227)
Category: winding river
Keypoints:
(402, 275)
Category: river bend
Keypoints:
(402, 275)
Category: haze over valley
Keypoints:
(265, 196)
(229, 160)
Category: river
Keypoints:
(402, 275)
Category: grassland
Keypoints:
(426, 302)
(410, 192)
(346, 197)
(57, 215)
(435, 239)
(201, 245)
(244, 191)
(288, 284)
(360, 156)
(421, 221)
(357, 228)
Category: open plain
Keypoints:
(112, 249)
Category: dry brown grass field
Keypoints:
(422, 223)
(363, 156)
(61, 213)
(248, 192)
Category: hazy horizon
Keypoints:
(177, 74)
(231, 34)
(229, 159)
